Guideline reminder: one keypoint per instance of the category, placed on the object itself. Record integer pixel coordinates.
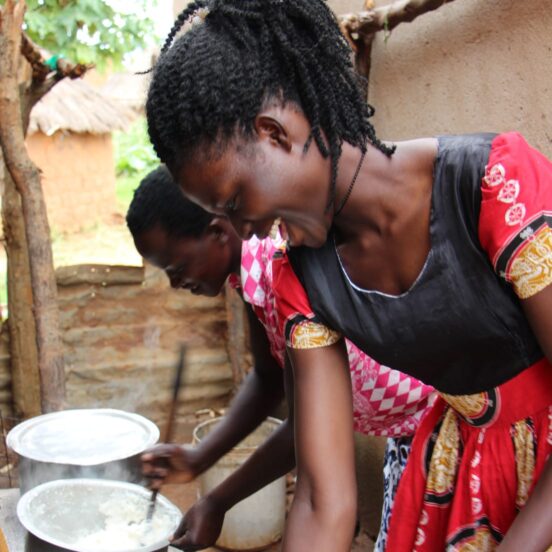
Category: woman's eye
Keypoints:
(177, 270)
(230, 206)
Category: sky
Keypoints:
(161, 13)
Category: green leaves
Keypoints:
(89, 31)
(134, 155)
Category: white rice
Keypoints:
(126, 527)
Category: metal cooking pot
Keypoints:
(97, 443)
(60, 514)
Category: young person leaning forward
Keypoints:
(199, 251)
(434, 257)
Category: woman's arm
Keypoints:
(202, 524)
(322, 515)
(532, 529)
(258, 396)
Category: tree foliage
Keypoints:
(89, 31)
(134, 154)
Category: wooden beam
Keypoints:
(26, 395)
(238, 336)
(386, 18)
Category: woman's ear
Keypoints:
(272, 129)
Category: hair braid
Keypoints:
(181, 19)
(216, 77)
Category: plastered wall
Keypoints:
(469, 66)
(78, 178)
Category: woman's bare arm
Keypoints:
(322, 515)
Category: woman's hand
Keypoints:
(170, 464)
(200, 527)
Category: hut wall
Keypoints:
(121, 330)
(469, 66)
(78, 177)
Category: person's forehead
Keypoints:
(151, 241)
(208, 184)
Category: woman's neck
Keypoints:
(370, 207)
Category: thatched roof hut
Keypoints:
(75, 106)
(69, 138)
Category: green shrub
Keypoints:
(134, 155)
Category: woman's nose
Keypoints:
(174, 281)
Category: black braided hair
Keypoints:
(158, 201)
(216, 77)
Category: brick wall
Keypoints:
(121, 330)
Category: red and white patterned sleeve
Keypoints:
(515, 224)
(297, 321)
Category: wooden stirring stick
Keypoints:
(168, 433)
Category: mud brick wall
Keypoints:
(121, 330)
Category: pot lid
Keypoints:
(84, 437)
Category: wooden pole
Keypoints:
(26, 178)
(386, 18)
(21, 324)
(238, 336)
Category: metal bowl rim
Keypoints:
(25, 501)
(276, 422)
(14, 437)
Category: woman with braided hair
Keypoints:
(434, 256)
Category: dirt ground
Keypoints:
(103, 244)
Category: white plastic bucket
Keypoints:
(258, 521)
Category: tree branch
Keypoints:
(26, 177)
(32, 53)
(43, 78)
(386, 18)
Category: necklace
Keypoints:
(351, 185)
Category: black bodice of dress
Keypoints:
(459, 327)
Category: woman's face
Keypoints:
(200, 265)
(267, 178)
